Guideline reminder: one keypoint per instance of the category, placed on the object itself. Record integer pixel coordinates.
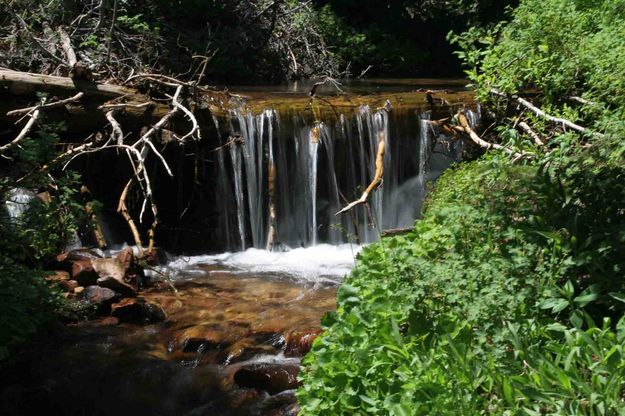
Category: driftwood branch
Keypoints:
(377, 179)
(464, 124)
(47, 106)
(527, 129)
(123, 210)
(78, 70)
(581, 100)
(540, 113)
(34, 116)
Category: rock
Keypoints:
(84, 273)
(111, 275)
(68, 285)
(106, 321)
(78, 290)
(138, 311)
(57, 277)
(272, 378)
(78, 254)
(282, 404)
(126, 257)
(298, 343)
(97, 295)
(202, 338)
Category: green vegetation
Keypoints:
(247, 41)
(508, 296)
(31, 241)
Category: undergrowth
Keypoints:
(508, 296)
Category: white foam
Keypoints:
(316, 263)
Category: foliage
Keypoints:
(29, 241)
(508, 295)
(247, 40)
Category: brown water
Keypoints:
(220, 321)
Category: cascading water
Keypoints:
(315, 168)
(17, 202)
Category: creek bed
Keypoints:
(231, 345)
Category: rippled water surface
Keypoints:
(231, 311)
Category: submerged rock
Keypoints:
(138, 311)
(281, 404)
(298, 343)
(273, 378)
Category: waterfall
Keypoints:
(235, 154)
(16, 203)
(314, 168)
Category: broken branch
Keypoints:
(377, 179)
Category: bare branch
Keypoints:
(527, 129)
(33, 118)
(464, 125)
(47, 106)
(525, 103)
(377, 179)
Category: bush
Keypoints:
(30, 242)
(508, 296)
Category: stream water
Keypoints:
(241, 320)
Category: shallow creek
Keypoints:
(231, 345)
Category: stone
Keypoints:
(298, 343)
(138, 311)
(78, 254)
(97, 295)
(111, 275)
(78, 290)
(126, 257)
(281, 404)
(68, 285)
(83, 272)
(57, 277)
(273, 378)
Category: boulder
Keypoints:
(57, 277)
(126, 257)
(78, 254)
(270, 377)
(68, 285)
(137, 311)
(298, 343)
(112, 274)
(281, 404)
(83, 272)
(97, 295)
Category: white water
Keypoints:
(321, 263)
(17, 202)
